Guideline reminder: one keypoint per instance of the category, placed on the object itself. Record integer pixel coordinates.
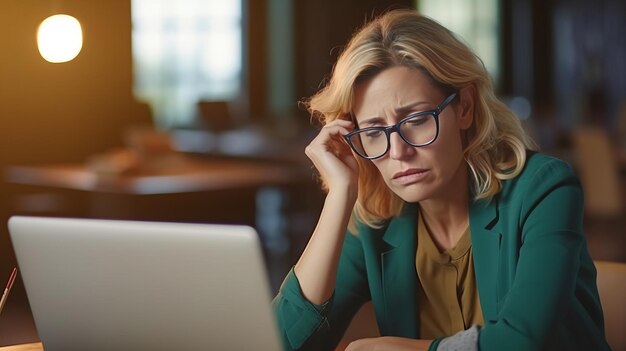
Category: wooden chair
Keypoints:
(598, 169)
(605, 200)
(612, 289)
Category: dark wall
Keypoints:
(60, 112)
(568, 57)
(589, 63)
(322, 28)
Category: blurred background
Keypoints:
(189, 110)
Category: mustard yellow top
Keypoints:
(447, 293)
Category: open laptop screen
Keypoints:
(126, 285)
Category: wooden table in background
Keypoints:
(184, 174)
(177, 188)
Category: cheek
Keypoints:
(448, 152)
(453, 145)
(450, 139)
(383, 169)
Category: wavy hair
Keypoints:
(496, 143)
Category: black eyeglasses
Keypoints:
(417, 129)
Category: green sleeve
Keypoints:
(544, 281)
(306, 326)
(435, 344)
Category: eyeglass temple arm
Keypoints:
(446, 102)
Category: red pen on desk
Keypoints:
(5, 294)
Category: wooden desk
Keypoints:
(180, 188)
(186, 174)
(36, 346)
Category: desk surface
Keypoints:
(36, 346)
(185, 174)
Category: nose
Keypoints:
(398, 148)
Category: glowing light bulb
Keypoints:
(59, 38)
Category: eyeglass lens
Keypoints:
(418, 130)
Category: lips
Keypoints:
(409, 172)
(410, 176)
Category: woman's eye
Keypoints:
(417, 121)
(373, 133)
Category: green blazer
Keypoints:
(535, 278)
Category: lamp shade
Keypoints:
(59, 38)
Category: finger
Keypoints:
(340, 122)
(354, 345)
(333, 127)
(332, 133)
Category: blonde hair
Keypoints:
(496, 143)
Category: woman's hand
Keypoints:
(389, 343)
(333, 157)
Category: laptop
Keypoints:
(129, 285)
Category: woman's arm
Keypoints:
(389, 343)
(317, 267)
(312, 312)
(541, 281)
(307, 326)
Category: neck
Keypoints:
(446, 215)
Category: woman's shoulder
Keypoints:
(541, 167)
(542, 177)
(540, 174)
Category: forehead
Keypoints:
(393, 89)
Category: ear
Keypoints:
(466, 106)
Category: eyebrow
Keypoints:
(398, 111)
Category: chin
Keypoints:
(411, 194)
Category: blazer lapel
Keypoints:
(399, 277)
(486, 236)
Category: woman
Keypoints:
(437, 211)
